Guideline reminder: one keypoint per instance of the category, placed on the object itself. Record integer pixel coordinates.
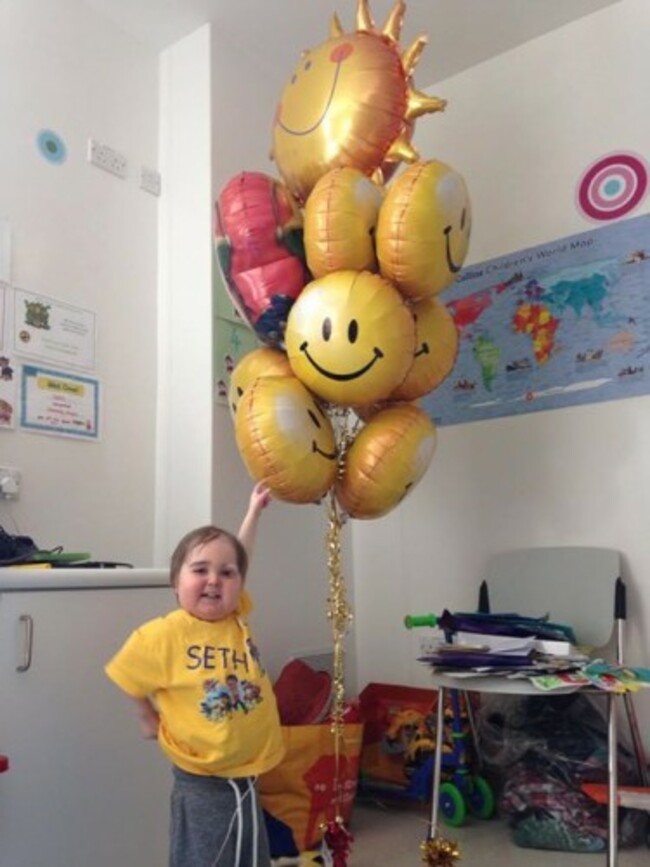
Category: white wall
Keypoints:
(184, 423)
(88, 239)
(521, 128)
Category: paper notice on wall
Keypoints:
(53, 332)
(54, 402)
(8, 379)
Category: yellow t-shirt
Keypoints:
(218, 715)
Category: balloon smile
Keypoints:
(339, 57)
(342, 377)
(453, 267)
(330, 456)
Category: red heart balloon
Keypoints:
(258, 237)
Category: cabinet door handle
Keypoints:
(29, 639)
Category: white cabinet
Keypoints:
(84, 789)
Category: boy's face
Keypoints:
(209, 582)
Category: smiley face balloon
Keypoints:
(260, 362)
(424, 228)
(286, 440)
(340, 222)
(349, 102)
(386, 460)
(436, 348)
(350, 337)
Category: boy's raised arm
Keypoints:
(259, 500)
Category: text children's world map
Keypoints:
(551, 326)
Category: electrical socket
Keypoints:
(150, 181)
(105, 157)
(9, 483)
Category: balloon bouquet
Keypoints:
(337, 269)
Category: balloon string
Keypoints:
(340, 615)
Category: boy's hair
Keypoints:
(201, 536)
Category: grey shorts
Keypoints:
(216, 822)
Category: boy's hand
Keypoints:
(147, 718)
(260, 497)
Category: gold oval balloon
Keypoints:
(350, 337)
(260, 362)
(386, 460)
(436, 348)
(424, 229)
(286, 440)
(340, 221)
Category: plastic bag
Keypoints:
(539, 752)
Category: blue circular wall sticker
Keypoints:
(51, 146)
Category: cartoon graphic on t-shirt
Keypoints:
(222, 699)
(255, 654)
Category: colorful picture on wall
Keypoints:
(54, 332)
(612, 187)
(8, 378)
(232, 342)
(59, 403)
(552, 326)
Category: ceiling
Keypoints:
(461, 33)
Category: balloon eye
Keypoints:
(327, 328)
(314, 418)
(294, 78)
(240, 391)
(463, 218)
(353, 330)
(307, 66)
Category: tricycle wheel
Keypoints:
(452, 805)
(480, 798)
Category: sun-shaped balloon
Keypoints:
(350, 102)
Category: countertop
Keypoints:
(26, 579)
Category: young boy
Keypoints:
(199, 687)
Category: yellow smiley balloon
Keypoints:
(349, 103)
(286, 439)
(260, 362)
(424, 228)
(386, 460)
(340, 222)
(436, 348)
(350, 337)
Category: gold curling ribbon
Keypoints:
(340, 616)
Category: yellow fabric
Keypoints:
(305, 790)
(218, 714)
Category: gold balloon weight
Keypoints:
(438, 852)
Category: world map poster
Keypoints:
(551, 326)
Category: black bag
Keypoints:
(15, 549)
